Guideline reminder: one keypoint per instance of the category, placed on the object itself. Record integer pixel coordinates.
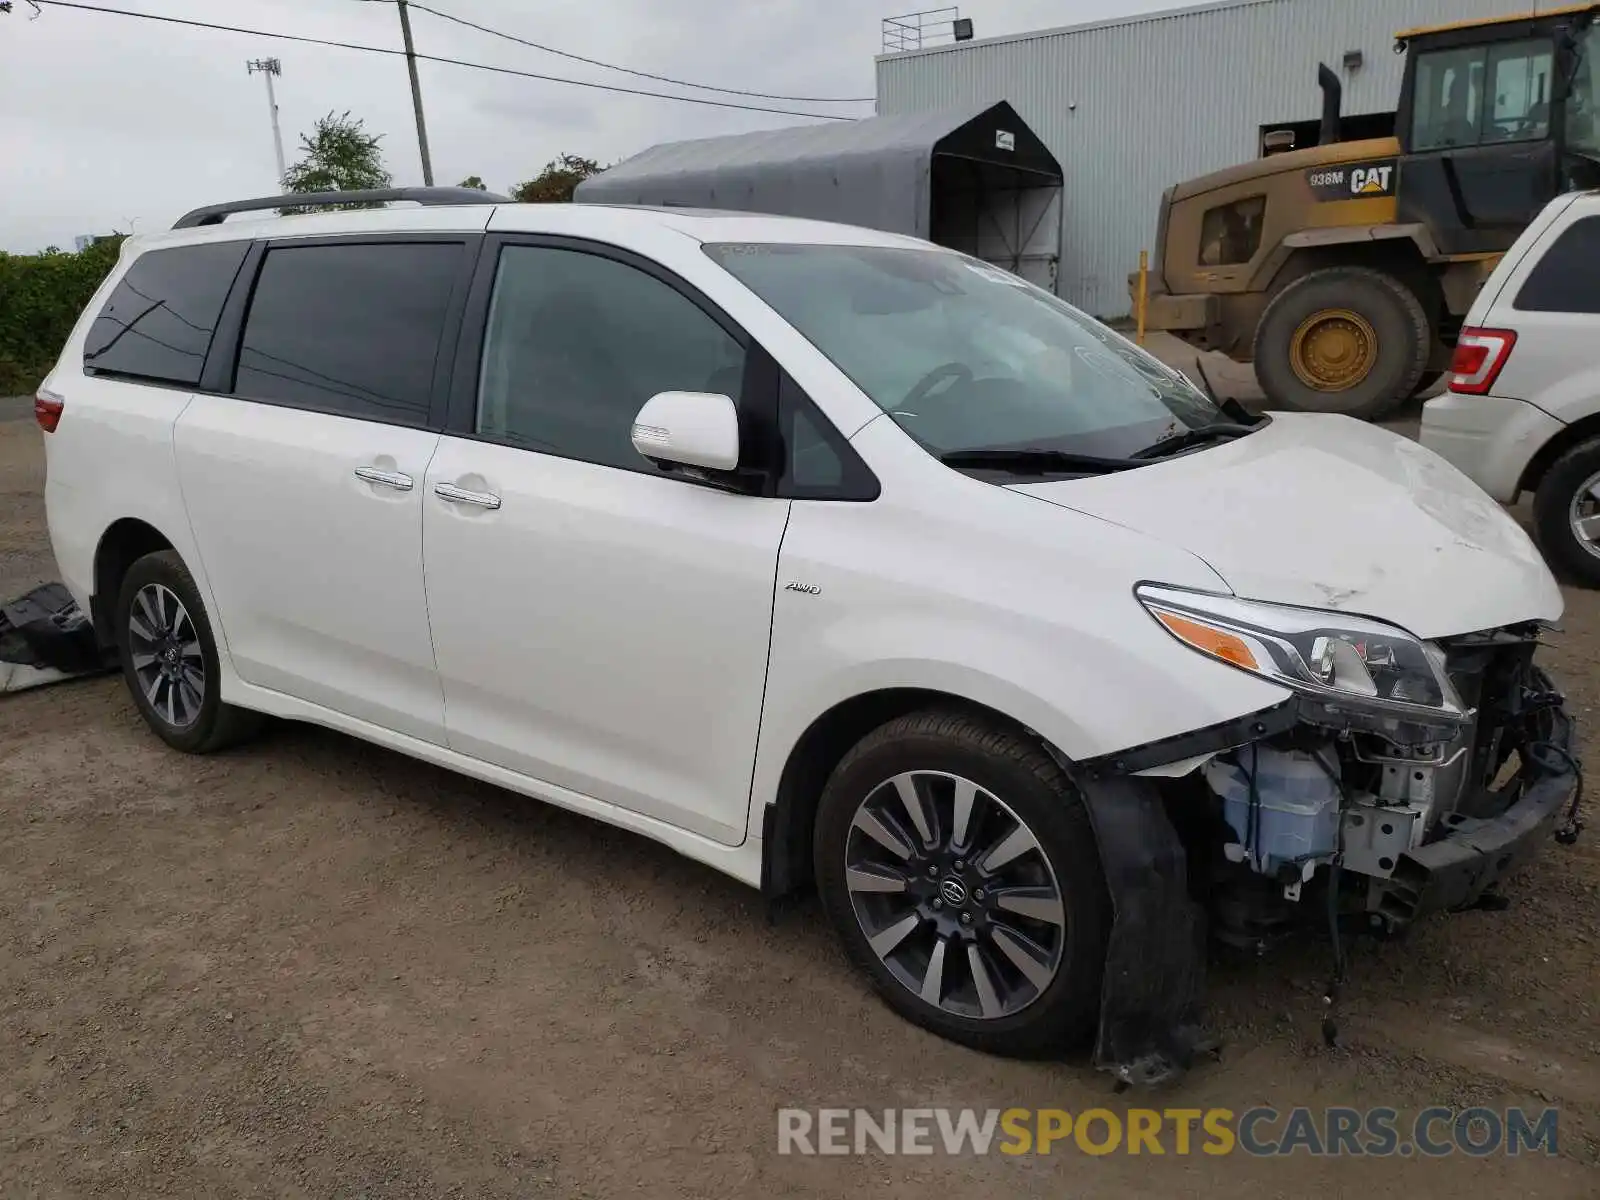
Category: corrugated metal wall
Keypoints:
(1133, 106)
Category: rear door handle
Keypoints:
(397, 480)
(450, 492)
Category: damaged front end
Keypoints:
(1401, 778)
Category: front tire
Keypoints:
(1566, 513)
(169, 658)
(1346, 340)
(958, 866)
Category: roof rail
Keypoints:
(213, 214)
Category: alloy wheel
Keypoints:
(1583, 514)
(955, 895)
(167, 659)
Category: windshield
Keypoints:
(966, 356)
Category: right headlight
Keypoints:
(1354, 672)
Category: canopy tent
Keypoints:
(976, 179)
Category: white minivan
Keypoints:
(826, 557)
(1523, 410)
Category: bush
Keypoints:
(41, 296)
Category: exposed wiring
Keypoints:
(454, 62)
(595, 62)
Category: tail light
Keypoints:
(1480, 356)
(47, 410)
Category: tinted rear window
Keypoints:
(349, 329)
(1567, 278)
(157, 325)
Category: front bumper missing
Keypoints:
(1152, 997)
(1457, 870)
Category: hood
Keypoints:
(1328, 512)
(1308, 159)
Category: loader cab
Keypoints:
(1496, 119)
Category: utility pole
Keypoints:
(270, 67)
(416, 92)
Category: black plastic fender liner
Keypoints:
(1151, 1002)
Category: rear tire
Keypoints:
(1001, 870)
(1346, 340)
(1564, 497)
(169, 658)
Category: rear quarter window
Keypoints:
(1567, 276)
(158, 322)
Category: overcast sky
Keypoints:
(116, 123)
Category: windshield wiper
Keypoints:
(1220, 432)
(1030, 460)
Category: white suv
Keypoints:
(1523, 410)
(816, 554)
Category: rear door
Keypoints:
(304, 485)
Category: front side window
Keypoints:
(157, 325)
(1481, 95)
(1519, 92)
(351, 329)
(577, 342)
(965, 356)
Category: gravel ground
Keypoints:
(314, 968)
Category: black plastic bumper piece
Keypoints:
(1455, 871)
(1211, 740)
(45, 628)
(1150, 1003)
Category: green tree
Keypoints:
(555, 184)
(339, 156)
(41, 296)
(474, 181)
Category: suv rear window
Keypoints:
(351, 329)
(157, 325)
(1567, 278)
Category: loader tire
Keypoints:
(1346, 340)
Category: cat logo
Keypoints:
(1370, 181)
(1354, 181)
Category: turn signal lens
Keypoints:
(1229, 647)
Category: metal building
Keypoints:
(1131, 106)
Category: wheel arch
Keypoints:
(124, 542)
(787, 821)
(1539, 465)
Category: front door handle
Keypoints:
(450, 492)
(397, 480)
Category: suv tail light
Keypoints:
(1480, 356)
(47, 410)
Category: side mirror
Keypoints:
(689, 429)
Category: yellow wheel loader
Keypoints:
(1343, 271)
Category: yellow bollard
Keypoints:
(1144, 292)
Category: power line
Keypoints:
(454, 62)
(595, 62)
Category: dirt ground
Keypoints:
(312, 968)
